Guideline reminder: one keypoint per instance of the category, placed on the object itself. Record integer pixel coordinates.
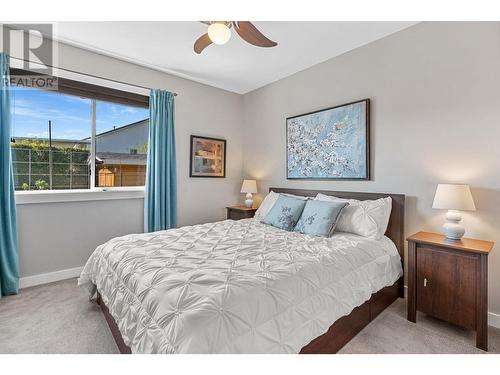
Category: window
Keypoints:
(121, 145)
(53, 134)
(50, 141)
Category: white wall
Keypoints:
(56, 236)
(59, 236)
(435, 97)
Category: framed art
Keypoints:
(208, 157)
(330, 144)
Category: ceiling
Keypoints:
(236, 66)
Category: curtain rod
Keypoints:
(88, 75)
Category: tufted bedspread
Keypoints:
(235, 286)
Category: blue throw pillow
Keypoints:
(285, 212)
(318, 218)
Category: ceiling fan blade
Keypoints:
(201, 43)
(252, 35)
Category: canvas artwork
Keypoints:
(330, 144)
(208, 157)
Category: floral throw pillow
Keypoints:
(285, 212)
(319, 218)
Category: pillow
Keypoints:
(266, 205)
(269, 202)
(285, 213)
(366, 218)
(319, 217)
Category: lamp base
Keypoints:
(452, 229)
(249, 200)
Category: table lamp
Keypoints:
(454, 198)
(249, 187)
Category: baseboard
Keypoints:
(493, 318)
(45, 278)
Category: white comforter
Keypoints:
(235, 286)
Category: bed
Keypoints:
(246, 287)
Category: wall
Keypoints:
(435, 97)
(60, 236)
(123, 139)
(57, 236)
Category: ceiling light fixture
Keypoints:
(219, 33)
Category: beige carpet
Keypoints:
(57, 318)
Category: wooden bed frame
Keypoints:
(345, 328)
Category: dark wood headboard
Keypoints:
(395, 229)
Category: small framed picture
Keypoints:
(208, 157)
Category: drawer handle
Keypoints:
(425, 282)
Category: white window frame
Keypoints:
(92, 143)
(93, 193)
(79, 195)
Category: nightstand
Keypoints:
(448, 279)
(240, 212)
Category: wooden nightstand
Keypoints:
(240, 212)
(448, 279)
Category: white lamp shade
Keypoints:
(453, 197)
(249, 186)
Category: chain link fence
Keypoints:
(36, 169)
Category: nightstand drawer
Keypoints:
(238, 215)
(240, 212)
(446, 285)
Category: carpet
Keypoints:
(58, 318)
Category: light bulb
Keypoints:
(219, 33)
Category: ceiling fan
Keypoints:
(219, 32)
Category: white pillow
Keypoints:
(266, 205)
(366, 218)
(269, 202)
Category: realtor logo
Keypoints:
(32, 50)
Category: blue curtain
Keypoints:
(9, 261)
(160, 202)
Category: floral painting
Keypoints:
(208, 157)
(330, 144)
